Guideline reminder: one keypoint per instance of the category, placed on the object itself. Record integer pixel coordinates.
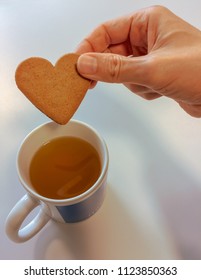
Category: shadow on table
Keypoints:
(110, 234)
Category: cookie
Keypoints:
(57, 90)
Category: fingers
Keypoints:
(193, 110)
(132, 72)
(119, 35)
(109, 33)
(113, 68)
(116, 36)
(143, 91)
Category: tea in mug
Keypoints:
(64, 167)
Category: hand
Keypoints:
(152, 52)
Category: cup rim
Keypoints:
(75, 199)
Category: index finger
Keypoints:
(113, 32)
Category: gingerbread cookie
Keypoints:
(55, 90)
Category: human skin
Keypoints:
(152, 52)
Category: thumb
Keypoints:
(112, 68)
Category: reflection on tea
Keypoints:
(64, 167)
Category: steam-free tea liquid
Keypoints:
(64, 167)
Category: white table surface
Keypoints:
(152, 208)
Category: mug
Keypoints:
(67, 210)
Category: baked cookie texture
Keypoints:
(57, 90)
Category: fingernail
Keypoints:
(87, 64)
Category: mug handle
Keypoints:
(18, 214)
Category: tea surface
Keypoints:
(64, 167)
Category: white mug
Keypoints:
(68, 210)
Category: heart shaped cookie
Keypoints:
(57, 90)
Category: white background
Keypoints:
(153, 205)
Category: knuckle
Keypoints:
(157, 9)
(114, 67)
(150, 95)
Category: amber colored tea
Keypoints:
(64, 167)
